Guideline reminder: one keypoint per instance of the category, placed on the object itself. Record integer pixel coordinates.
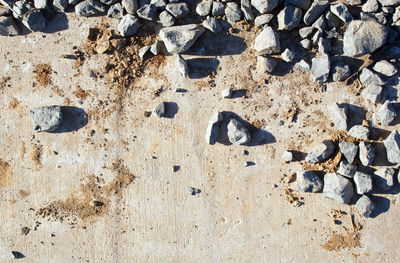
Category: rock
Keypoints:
(303, 4)
(148, 12)
(160, 4)
(367, 78)
(267, 42)
(363, 37)
(204, 8)
(338, 116)
(8, 26)
(289, 18)
(159, 111)
(265, 6)
(363, 182)
(385, 68)
(289, 55)
(303, 65)
(263, 19)
(340, 72)
(305, 43)
(359, 132)
(316, 37)
(226, 93)
(212, 24)
(131, 6)
(60, 5)
(346, 169)
(181, 65)
(389, 2)
(265, 64)
(90, 8)
(366, 153)
(40, 4)
(213, 128)
(178, 10)
(371, 6)
(392, 145)
(178, 39)
(4, 11)
(34, 21)
(247, 10)
(166, 19)
(386, 113)
(319, 24)
(307, 181)
(338, 188)
(384, 178)
(20, 8)
(47, 118)
(194, 191)
(306, 31)
(156, 47)
(341, 11)
(320, 68)
(315, 11)
(115, 11)
(320, 152)
(324, 45)
(287, 156)
(377, 17)
(387, 10)
(354, 2)
(372, 93)
(128, 26)
(143, 51)
(349, 150)
(237, 133)
(218, 9)
(233, 12)
(332, 21)
(365, 206)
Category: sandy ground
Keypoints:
(242, 214)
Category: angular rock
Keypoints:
(371, 6)
(40, 4)
(289, 55)
(264, 6)
(226, 93)
(287, 156)
(367, 77)
(60, 5)
(316, 37)
(233, 12)
(366, 153)
(320, 68)
(237, 133)
(338, 188)
(341, 11)
(386, 113)
(267, 42)
(359, 132)
(324, 45)
(4, 11)
(320, 152)
(363, 182)
(166, 19)
(385, 68)
(159, 111)
(204, 8)
(340, 72)
(90, 8)
(263, 19)
(338, 116)
(305, 43)
(349, 150)
(384, 178)
(303, 4)
(8, 26)
(372, 93)
(213, 128)
(265, 64)
(377, 17)
(218, 9)
(47, 118)
(303, 65)
(289, 18)
(354, 2)
(181, 65)
(212, 24)
(247, 10)
(389, 2)
(148, 12)
(178, 10)
(143, 51)
(34, 21)
(115, 11)
(156, 47)
(319, 24)
(131, 6)
(128, 26)
(346, 169)
(307, 181)
(178, 39)
(315, 11)
(306, 31)
(365, 206)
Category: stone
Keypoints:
(303, 65)
(159, 111)
(341, 11)
(143, 51)
(160, 4)
(181, 65)
(386, 114)
(384, 178)
(34, 21)
(237, 133)
(349, 150)
(247, 10)
(47, 118)
(366, 153)
(267, 42)
(354, 2)
(178, 39)
(324, 45)
(40, 4)
(319, 24)
(372, 93)
(359, 132)
(265, 64)
(20, 8)
(363, 182)
(289, 18)
(307, 181)
(340, 72)
(320, 152)
(320, 68)
(385, 68)
(392, 145)
(338, 188)
(233, 12)
(338, 115)
(363, 37)
(306, 31)
(166, 19)
(8, 26)
(367, 78)
(371, 6)
(60, 5)
(388, 9)
(90, 8)
(128, 26)
(389, 2)
(213, 128)
(212, 24)
(377, 17)
(227, 93)
(316, 9)
(194, 191)
(347, 169)
(365, 206)
(303, 4)
(108, 2)
(204, 8)
(147, 12)
(332, 21)
(218, 9)
(131, 6)
(263, 19)
(305, 43)
(5, 11)
(115, 11)
(156, 47)
(178, 10)
(316, 37)
(287, 156)
(289, 55)
(265, 6)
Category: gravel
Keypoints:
(384, 178)
(267, 42)
(338, 188)
(307, 181)
(349, 150)
(392, 145)
(363, 182)
(366, 153)
(365, 206)
(178, 39)
(320, 152)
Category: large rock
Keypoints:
(47, 118)
(116, 11)
(267, 42)
(320, 68)
(372, 93)
(237, 133)
(204, 8)
(366, 153)
(315, 11)
(338, 116)
(338, 188)
(363, 37)
(392, 145)
(349, 150)
(34, 21)
(218, 9)
(213, 128)
(385, 68)
(246, 8)
(347, 169)
(386, 113)
(128, 26)
(166, 18)
(178, 10)
(365, 206)
(320, 152)
(178, 39)
(307, 181)
(263, 19)
(359, 132)
(148, 12)
(367, 78)
(289, 18)
(90, 8)
(265, 6)
(341, 11)
(363, 182)
(131, 6)
(212, 24)
(8, 26)
(384, 178)
(233, 12)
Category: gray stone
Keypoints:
(359, 132)
(303, 4)
(386, 114)
(156, 47)
(332, 21)
(204, 8)
(363, 37)
(237, 133)
(265, 64)
(178, 10)
(213, 128)
(385, 68)
(347, 169)
(47, 118)
(371, 6)
(316, 37)
(115, 11)
(40, 4)
(372, 93)
(246, 8)
(320, 68)
(90, 8)
(384, 178)
(128, 26)
(143, 51)
(227, 93)
(289, 18)
(367, 78)
(315, 11)
(218, 9)
(338, 116)
(181, 65)
(178, 39)
(392, 145)
(160, 4)
(34, 21)
(60, 5)
(341, 11)
(338, 188)
(263, 19)
(159, 111)
(306, 31)
(366, 153)
(289, 55)
(319, 24)
(131, 6)
(349, 150)
(267, 42)
(287, 156)
(365, 206)
(324, 45)
(354, 2)
(363, 182)
(265, 6)
(377, 17)
(233, 12)
(307, 181)
(320, 152)
(340, 72)
(212, 24)
(148, 12)
(166, 19)
(389, 2)
(305, 43)
(8, 26)
(303, 65)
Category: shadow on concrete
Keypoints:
(382, 205)
(202, 67)
(55, 21)
(74, 118)
(171, 109)
(17, 255)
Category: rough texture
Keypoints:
(89, 8)
(392, 145)
(265, 64)
(338, 188)
(267, 42)
(320, 68)
(365, 206)
(363, 182)
(338, 116)
(47, 118)
(359, 132)
(366, 153)
(159, 111)
(289, 18)
(315, 11)
(128, 26)
(307, 181)
(237, 133)
(264, 6)
(320, 152)
(346, 169)
(385, 68)
(386, 113)
(178, 39)
(384, 178)
(349, 150)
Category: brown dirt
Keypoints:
(5, 173)
(341, 241)
(43, 74)
(36, 154)
(81, 94)
(13, 104)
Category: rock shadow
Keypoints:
(17, 254)
(202, 67)
(357, 114)
(240, 93)
(55, 21)
(382, 205)
(171, 109)
(74, 118)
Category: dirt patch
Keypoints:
(5, 173)
(36, 154)
(43, 74)
(341, 241)
(81, 94)
(13, 104)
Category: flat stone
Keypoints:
(178, 39)
(386, 114)
(263, 19)
(47, 118)
(204, 8)
(8, 26)
(349, 150)
(131, 6)
(363, 182)
(338, 188)
(346, 169)
(359, 132)
(233, 12)
(289, 18)
(212, 24)
(246, 8)
(237, 133)
(307, 181)
(320, 68)
(365, 206)
(384, 178)
(147, 12)
(265, 6)
(166, 19)
(287, 156)
(178, 10)
(128, 26)
(226, 93)
(366, 153)
(267, 42)
(385, 68)
(265, 64)
(320, 152)
(338, 116)
(213, 128)
(181, 65)
(316, 9)
(341, 11)
(90, 8)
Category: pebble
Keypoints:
(166, 19)
(349, 150)
(233, 12)
(392, 145)
(128, 26)
(338, 116)
(237, 133)
(338, 188)
(359, 132)
(315, 11)
(320, 152)
(47, 118)
(363, 182)
(385, 68)
(218, 9)
(341, 11)
(264, 6)
(204, 8)
(8, 26)
(148, 12)
(212, 24)
(263, 19)
(289, 18)
(384, 178)
(289, 55)
(159, 111)
(130, 6)
(365, 206)
(181, 65)
(346, 169)
(226, 93)
(267, 42)
(213, 128)
(287, 156)
(366, 153)
(178, 10)
(247, 10)
(320, 68)
(386, 114)
(265, 64)
(90, 8)
(308, 181)
(194, 191)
